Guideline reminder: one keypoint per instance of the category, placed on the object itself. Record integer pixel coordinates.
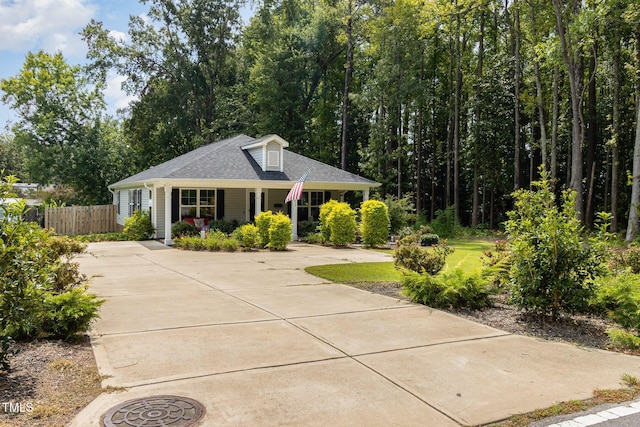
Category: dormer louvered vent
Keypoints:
(268, 152)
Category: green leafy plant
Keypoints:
(444, 223)
(307, 227)
(138, 226)
(448, 290)
(314, 238)
(325, 212)
(279, 232)
(41, 290)
(70, 312)
(619, 296)
(248, 235)
(374, 225)
(553, 269)
(342, 223)
(401, 212)
(421, 260)
(429, 239)
(263, 221)
(183, 228)
(623, 339)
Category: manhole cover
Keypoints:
(155, 411)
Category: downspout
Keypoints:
(154, 219)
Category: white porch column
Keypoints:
(294, 220)
(167, 215)
(154, 209)
(258, 202)
(365, 195)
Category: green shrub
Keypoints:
(552, 268)
(230, 244)
(325, 211)
(421, 260)
(314, 238)
(138, 226)
(279, 232)
(307, 227)
(212, 243)
(183, 229)
(248, 236)
(400, 213)
(374, 225)
(623, 339)
(429, 239)
(619, 296)
(342, 223)
(223, 225)
(70, 312)
(628, 258)
(449, 290)
(41, 292)
(263, 221)
(444, 223)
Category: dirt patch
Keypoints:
(48, 384)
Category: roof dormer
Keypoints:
(268, 152)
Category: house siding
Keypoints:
(257, 155)
(234, 204)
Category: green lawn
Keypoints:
(466, 256)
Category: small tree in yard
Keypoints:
(553, 269)
(374, 225)
(325, 211)
(263, 221)
(279, 232)
(342, 223)
(41, 290)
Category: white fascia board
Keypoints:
(241, 183)
(262, 142)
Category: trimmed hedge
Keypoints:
(374, 225)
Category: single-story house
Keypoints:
(233, 179)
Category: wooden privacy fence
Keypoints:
(81, 219)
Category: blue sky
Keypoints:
(54, 25)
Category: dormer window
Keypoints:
(268, 152)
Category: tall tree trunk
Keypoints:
(615, 124)
(572, 59)
(634, 222)
(516, 95)
(347, 87)
(476, 167)
(456, 123)
(592, 134)
(539, 94)
(554, 124)
(632, 227)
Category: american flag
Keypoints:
(296, 192)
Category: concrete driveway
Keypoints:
(260, 342)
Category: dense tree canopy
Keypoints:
(456, 102)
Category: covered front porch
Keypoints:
(202, 204)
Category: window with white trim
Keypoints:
(135, 201)
(309, 205)
(197, 203)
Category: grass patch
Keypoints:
(379, 272)
(467, 254)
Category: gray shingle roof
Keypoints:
(226, 160)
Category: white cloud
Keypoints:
(114, 95)
(118, 36)
(50, 25)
